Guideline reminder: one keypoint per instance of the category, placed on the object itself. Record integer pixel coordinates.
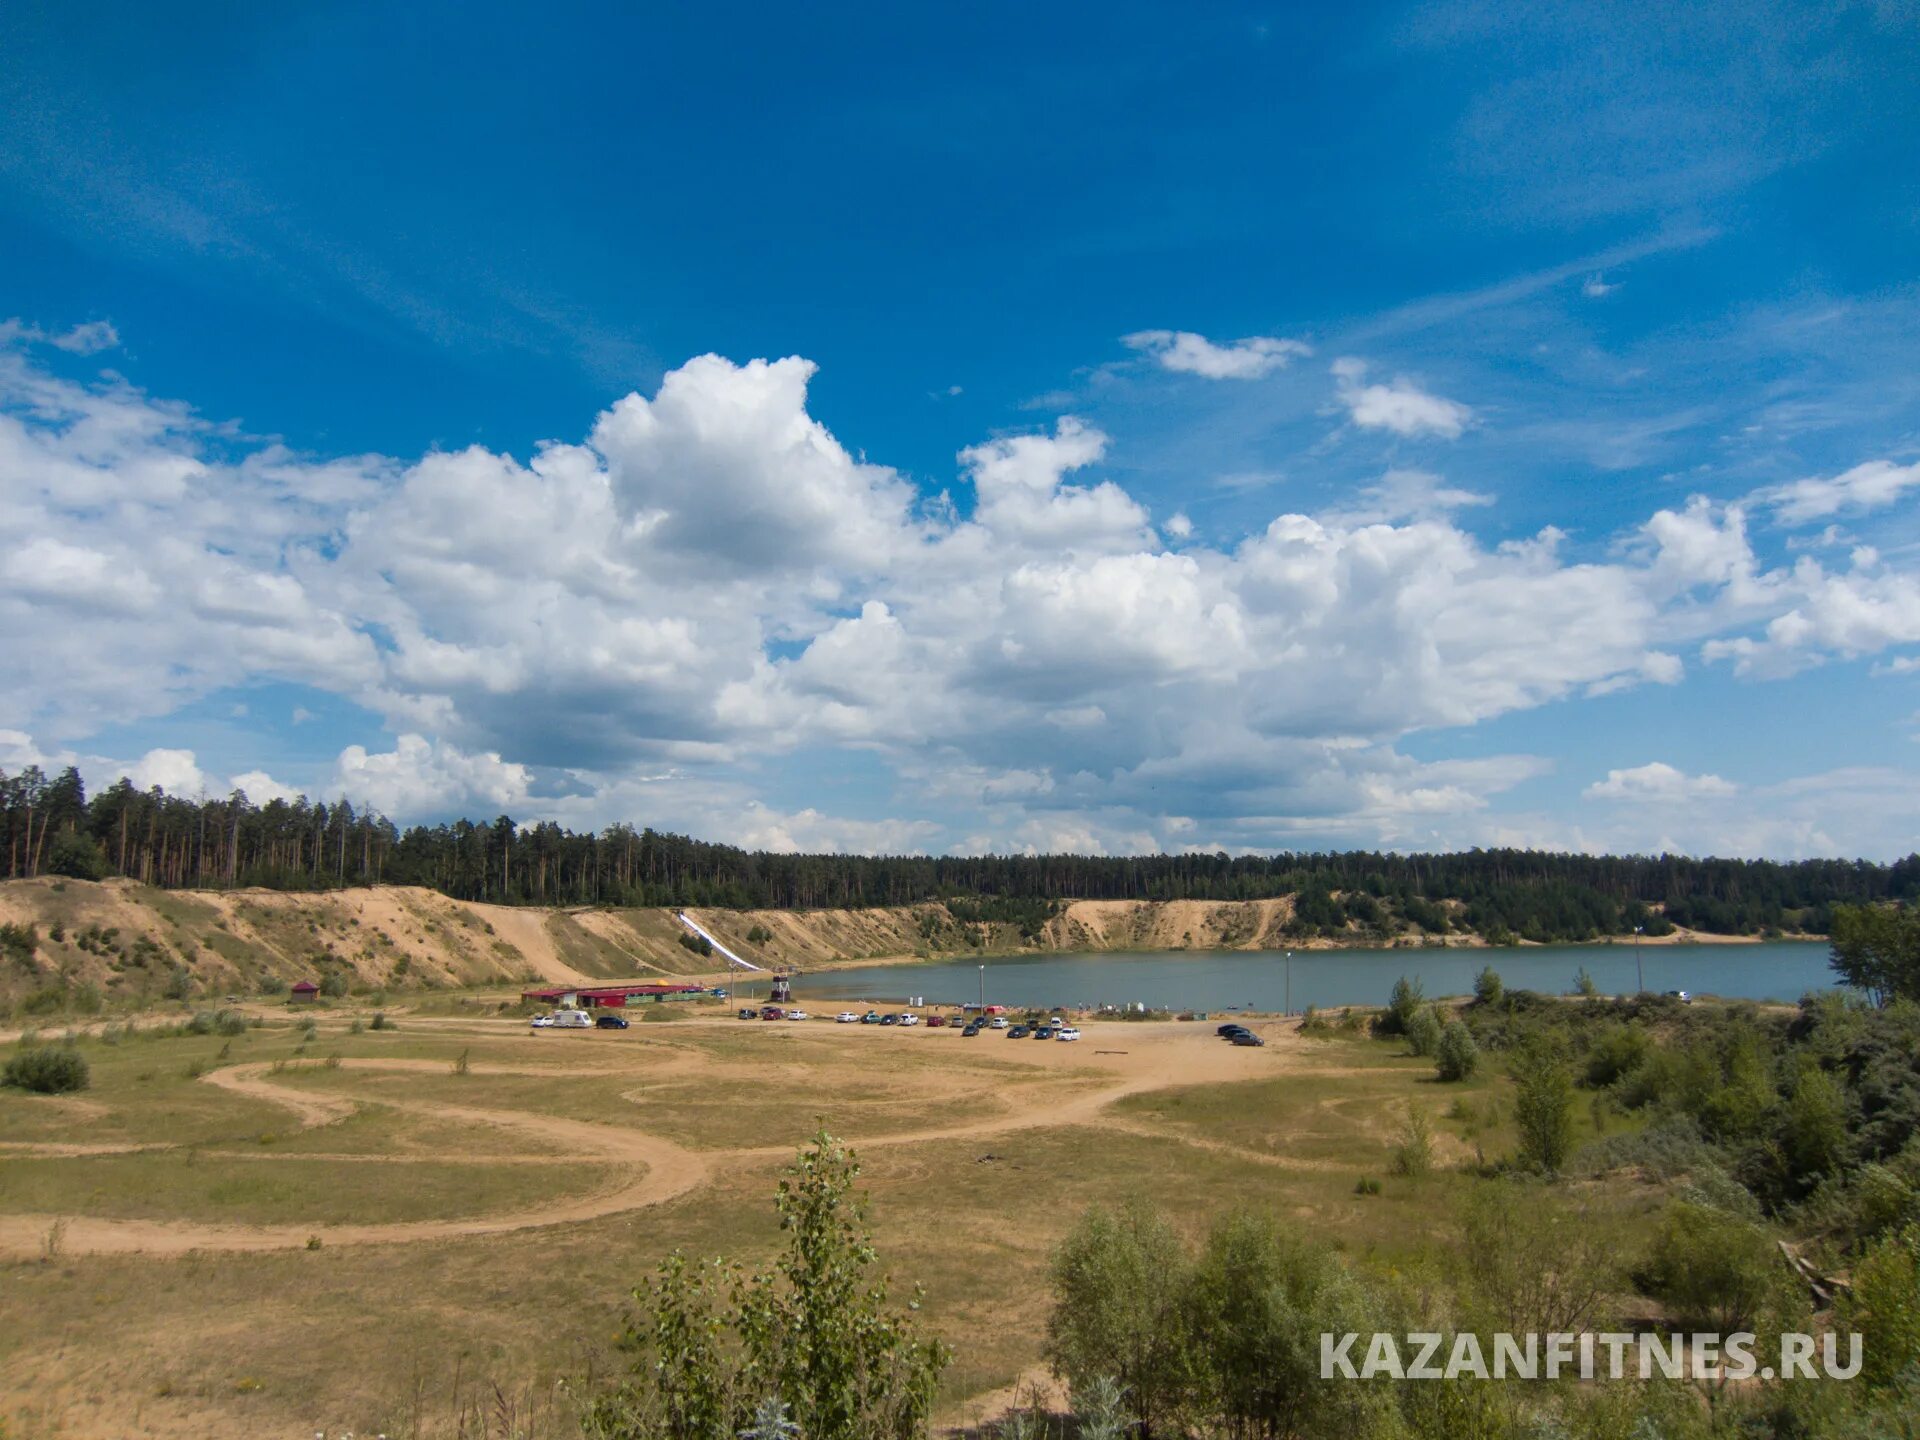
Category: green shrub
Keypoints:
(381, 1022)
(1456, 1057)
(1405, 1002)
(1543, 1109)
(76, 856)
(1423, 1031)
(1487, 987)
(18, 943)
(1714, 1271)
(47, 1070)
(333, 984)
(272, 985)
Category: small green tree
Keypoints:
(1488, 989)
(333, 984)
(1402, 1006)
(1423, 1031)
(1456, 1057)
(1118, 1278)
(1876, 948)
(815, 1335)
(1413, 1151)
(1713, 1270)
(77, 856)
(1256, 1307)
(1543, 1109)
(1884, 1307)
(1583, 984)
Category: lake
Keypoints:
(1223, 979)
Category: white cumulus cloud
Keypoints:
(1400, 405)
(1187, 353)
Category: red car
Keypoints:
(934, 1022)
(773, 1012)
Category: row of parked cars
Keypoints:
(1238, 1034)
(1051, 1029)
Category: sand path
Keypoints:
(646, 1169)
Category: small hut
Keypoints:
(304, 992)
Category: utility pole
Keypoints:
(1289, 984)
(1638, 970)
(983, 989)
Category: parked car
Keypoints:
(773, 1012)
(1247, 1037)
(796, 1014)
(907, 1017)
(1043, 1032)
(872, 1017)
(1682, 996)
(971, 1030)
(936, 1022)
(1018, 1032)
(1066, 1032)
(889, 1019)
(747, 1012)
(718, 992)
(543, 1022)
(998, 1022)
(846, 1017)
(1230, 1028)
(611, 1022)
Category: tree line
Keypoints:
(49, 825)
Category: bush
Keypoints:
(18, 943)
(1456, 1057)
(1488, 989)
(272, 985)
(47, 1070)
(1714, 1271)
(1402, 1006)
(1413, 1151)
(1116, 1312)
(699, 944)
(810, 1347)
(1884, 1307)
(333, 984)
(381, 1022)
(1423, 1031)
(1543, 1109)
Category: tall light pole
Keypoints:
(1289, 984)
(1640, 973)
(983, 989)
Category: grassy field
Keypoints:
(977, 1155)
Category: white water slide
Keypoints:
(697, 928)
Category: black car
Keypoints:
(889, 1019)
(1018, 1032)
(1230, 1029)
(1247, 1037)
(747, 1012)
(972, 1029)
(610, 1022)
(1043, 1032)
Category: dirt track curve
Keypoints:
(647, 1170)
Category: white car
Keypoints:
(846, 1017)
(909, 1018)
(796, 1014)
(1066, 1032)
(543, 1022)
(998, 1022)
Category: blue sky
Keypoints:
(1579, 347)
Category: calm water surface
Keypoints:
(1219, 979)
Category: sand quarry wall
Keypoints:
(128, 941)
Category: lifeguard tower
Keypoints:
(782, 991)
